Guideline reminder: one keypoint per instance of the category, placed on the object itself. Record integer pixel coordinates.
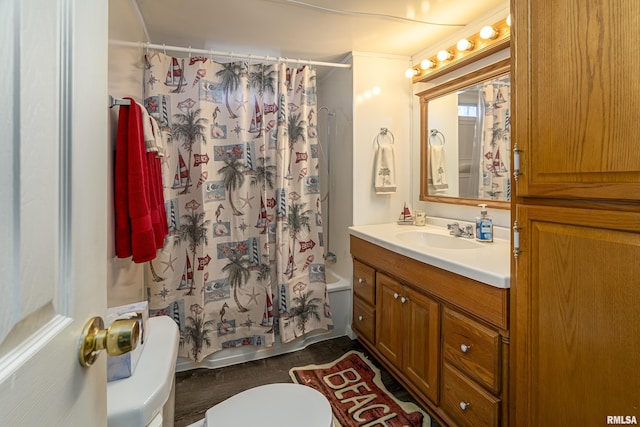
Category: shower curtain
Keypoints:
(495, 139)
(242, 264)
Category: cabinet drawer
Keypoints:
(364, 282)
(472, 348)
(364, 320)
(466, 402)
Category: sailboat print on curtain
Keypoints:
(267, 318)
(175, 75)
(495, 182)
(186, 283)
(180, 180)
(256, 120)
(243, 259)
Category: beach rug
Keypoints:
(357, 395)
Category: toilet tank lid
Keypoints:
(134, 401)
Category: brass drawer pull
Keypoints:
(464, 405)
(465, 348)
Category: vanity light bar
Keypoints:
(490, 39)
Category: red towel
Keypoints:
(158, 215)
(134, 230)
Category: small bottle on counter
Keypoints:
(484, 225)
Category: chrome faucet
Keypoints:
(455, 230)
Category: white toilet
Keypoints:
(147, 397)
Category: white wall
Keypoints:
(443, 116)
(373, 94)
(124, 278)
(390, 109)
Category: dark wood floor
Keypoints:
(199, 389)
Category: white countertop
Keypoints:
(485, 262)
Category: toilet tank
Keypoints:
(147, 397)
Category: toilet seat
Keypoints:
(280, 405)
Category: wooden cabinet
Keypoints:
(466, 402)
(576, 280)
(364, 298)
(421, 334)
(389, 327)
(577, 348)
(472, 348)
(443, 336)
(364, 282)
(407, 333)
(364, 320)
(471, 361)
(575, 96)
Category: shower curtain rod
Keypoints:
(232, 55)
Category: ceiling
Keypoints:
(318, 30)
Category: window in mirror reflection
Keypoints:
(474, 162)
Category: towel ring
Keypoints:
(384, 132)
(434, 134)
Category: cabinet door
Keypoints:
(389, 318)
(576, 100)
(421, 337)
(576, 329)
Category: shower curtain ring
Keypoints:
(189, 52)
(164, 48)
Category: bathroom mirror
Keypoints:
(465, 151)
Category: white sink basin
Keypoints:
(439, 241)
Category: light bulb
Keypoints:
(426, 64)
(509, 20)
(464, 44)
(410, 72)
(488, 32)
(444, 55)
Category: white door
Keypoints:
(53, 209)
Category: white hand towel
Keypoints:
(437, 179)
(385, 170)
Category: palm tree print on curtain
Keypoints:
(243, 263)
(302, 296)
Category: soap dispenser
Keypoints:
(484, 225)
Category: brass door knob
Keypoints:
(120, 338)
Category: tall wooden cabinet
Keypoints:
(575, 286)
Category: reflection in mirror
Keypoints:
(466, 138)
